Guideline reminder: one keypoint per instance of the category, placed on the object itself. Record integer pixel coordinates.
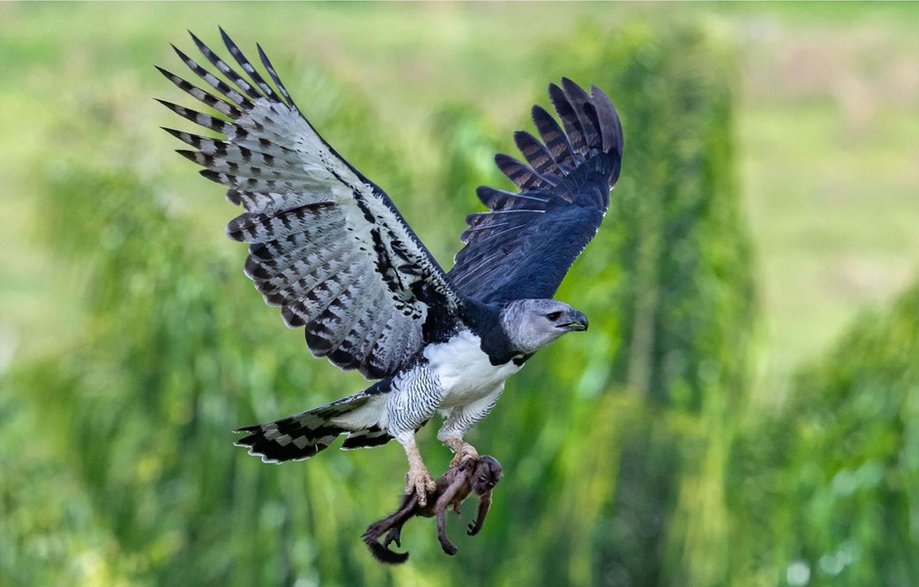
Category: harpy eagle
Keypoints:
(329, 247)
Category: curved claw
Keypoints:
(462, 451)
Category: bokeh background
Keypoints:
(743, 411)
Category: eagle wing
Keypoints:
(325, 244)
(525, 244)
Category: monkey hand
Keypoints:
(447, 546)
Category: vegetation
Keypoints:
(830, 481)
(645, 452)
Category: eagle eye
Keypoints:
(553, 316)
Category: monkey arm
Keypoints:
(484, 505)
(452, 495)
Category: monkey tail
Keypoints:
(380, 552)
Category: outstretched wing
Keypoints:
(524, 246)
(325, 244)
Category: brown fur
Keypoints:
(477, 476)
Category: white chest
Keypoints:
(463, 369)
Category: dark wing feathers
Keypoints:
(585, 111)
(525, 244)
(325, 244)
(523, 176)
(555, 139)
(535, 153)
(608, 119)
(495, 199)
(331, 249)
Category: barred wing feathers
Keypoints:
(325, 244)
(524, 246)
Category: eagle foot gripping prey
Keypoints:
(477, 475)
(330, 249)
(462, 451)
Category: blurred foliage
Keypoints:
(828, 486)
(666, 286)
(626, 461)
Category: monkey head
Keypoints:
(486, 475)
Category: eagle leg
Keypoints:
(462, 450)
(418, 480)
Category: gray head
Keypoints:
(532, 324)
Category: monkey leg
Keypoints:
(393, 522)
(379, 551)
(394, 535)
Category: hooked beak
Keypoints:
(576, 321)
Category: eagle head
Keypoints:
(532, 324)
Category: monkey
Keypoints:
(479, 475)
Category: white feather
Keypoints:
(365, 416)
(464, 370)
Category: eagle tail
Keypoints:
(301, 436)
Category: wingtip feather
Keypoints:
(609, 117)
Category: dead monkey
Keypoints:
(453, 487)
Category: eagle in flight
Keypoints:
(329, 247)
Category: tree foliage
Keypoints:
(627, 458)
(828, 485)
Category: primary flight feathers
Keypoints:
(330, 248)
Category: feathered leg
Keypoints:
(412, 402)
(461, 420)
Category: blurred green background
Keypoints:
(743, 411)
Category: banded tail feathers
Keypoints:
(302, 436)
